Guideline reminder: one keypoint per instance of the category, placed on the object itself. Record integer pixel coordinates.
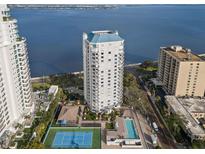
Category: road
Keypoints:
(164, 136)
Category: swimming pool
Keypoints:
(130, 129)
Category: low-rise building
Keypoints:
(192, 127)
(42, 98)
(53, 90)
(125, 134)
(68, 115)
(195, 106)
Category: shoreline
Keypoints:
(33, 79)
(36, 79)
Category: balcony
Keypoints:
(7, 18)
(1, 85)
(19, 39)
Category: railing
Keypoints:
(19, 39)
(7, 18)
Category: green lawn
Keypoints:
(148, 69)
(96, 135)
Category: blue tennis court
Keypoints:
(73, 140)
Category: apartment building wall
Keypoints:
(103, 56)
(191, 79)
(181, 77)
(15, 87)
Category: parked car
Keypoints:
(154, 125)
(154, 139)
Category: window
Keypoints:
(109, 52)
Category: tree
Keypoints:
(36, 145)
(146, 64)
(198, 144)
(79, 110)
(134, 96)
(40, 131)
(175, 124)
(158, 99)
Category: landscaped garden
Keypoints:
(110, 125)
(39, 126)
(40, 86)
(88, 115)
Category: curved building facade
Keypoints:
(15, 87)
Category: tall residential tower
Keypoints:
(181, 72)
(103, 59)
(15, 86)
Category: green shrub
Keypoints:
(110, 125)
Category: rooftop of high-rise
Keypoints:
(182, 54)
(103, 36)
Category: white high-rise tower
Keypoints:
(103, 59)
(15, 86)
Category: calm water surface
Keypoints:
(54, 36)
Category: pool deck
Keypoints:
(140, 131)
(128, 113)
(138, 128)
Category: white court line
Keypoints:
(62, 139)
(54, 141)
(83, 138)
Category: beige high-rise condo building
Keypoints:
(181, 72)
(15, 87)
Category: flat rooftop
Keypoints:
(193, 105)
(182, 54)
(68, 113)
(103, 36)
(188, 120)
(52, 89)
